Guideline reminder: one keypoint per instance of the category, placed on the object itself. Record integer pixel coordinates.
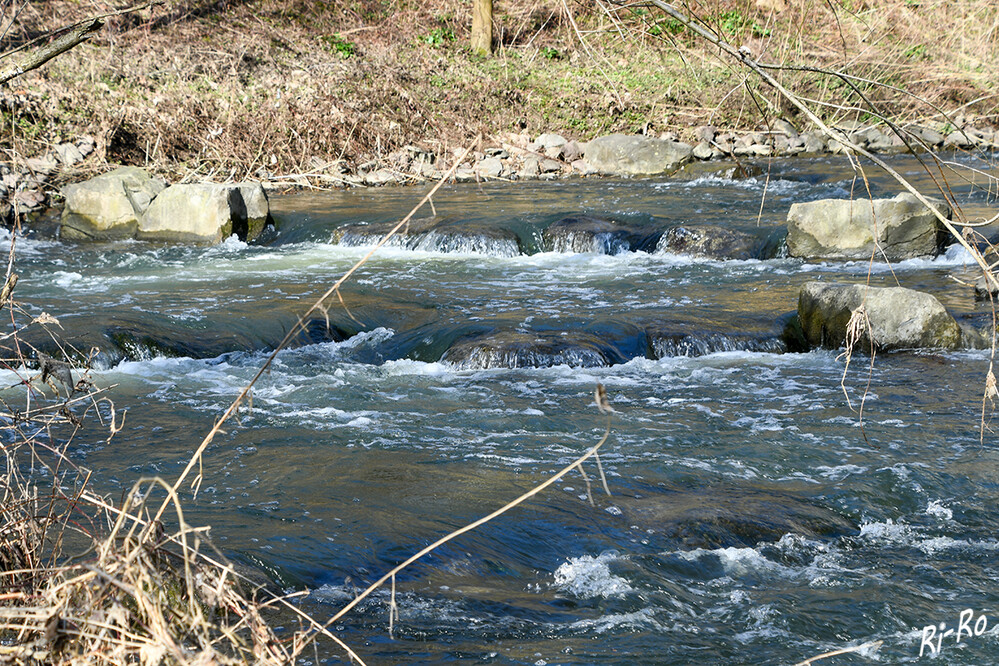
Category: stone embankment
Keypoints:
(25, 188)
(550, 156)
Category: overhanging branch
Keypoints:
(57, 47)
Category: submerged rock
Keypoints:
(624, 155)
(109, 206)
(903, 228)
(731, 517)
(584, 233)
(709, 240)
(435, 234)
(899, 318)
(516, 349)
(206, 213)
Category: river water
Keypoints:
(755, 517)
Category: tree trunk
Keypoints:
(482, 27)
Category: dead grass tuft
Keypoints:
(81, 579)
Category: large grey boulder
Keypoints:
(899, 318)
(847, 228)
(624, 155)
(205, 213)
(258, 210)
(109, 206)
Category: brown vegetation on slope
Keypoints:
(225, 88)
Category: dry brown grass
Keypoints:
(225, 89)
(83, 580)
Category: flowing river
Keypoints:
(756, 516)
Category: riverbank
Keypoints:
(29, 189)
(314, 96)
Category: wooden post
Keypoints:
(482, 27)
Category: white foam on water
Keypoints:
(955, 256)
(764, 423)
(230, 245)
(818, 564)
(839, 472)
(734, 561)
(335, 349)
(887, 531)
(159, 366)
(25, 246)
(773, 186)
(939, 510)
(513, 461)
(65, 279)
(900, 534)
(405, 367)
(640, 620)
(329, 417)
(587, 576)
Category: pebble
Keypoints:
(491, 167)
(703, 151)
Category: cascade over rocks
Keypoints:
(664, 343)
(903, 228)
(899, 318)
(129, 203)
(624, 155)
(709, 240)
(517, 349)
(584, 233)
(434, 234)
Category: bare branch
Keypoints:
(57, 47)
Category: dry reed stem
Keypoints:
(873, 645)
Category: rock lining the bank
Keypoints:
(129, 203)
(25, 188)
